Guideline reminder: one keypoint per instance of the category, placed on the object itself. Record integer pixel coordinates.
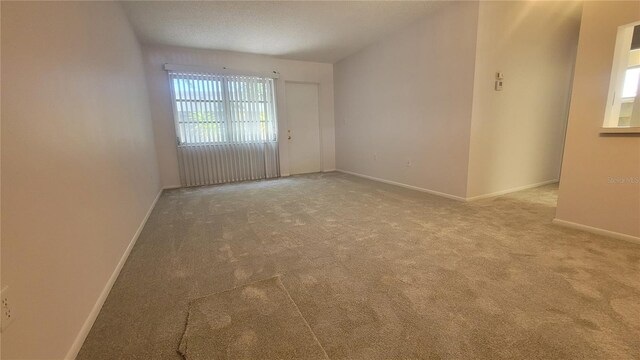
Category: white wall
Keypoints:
(79, 167)
(517, 134)
(290, 70)
(587, 196)
(407, 98)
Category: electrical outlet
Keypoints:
(375, 156)
(7, 314)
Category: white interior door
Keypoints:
(304, 127)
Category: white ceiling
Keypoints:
(322, 31)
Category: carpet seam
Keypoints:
(233, 288)
(303, 318)
(182, 338)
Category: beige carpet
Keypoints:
(254, 321)
(376, 271)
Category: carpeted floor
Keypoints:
(330, 265)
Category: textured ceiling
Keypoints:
(302, 30)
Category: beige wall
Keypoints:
(290, 70)
(408, 98)
(78, 164)
(0, 171)
(517, 134)
(587, 197)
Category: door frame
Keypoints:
(320, 137)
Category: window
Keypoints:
(630, 84)
(623, 111)
(220, 109)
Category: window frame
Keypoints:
(229, 133)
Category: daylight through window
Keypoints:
(217, 109)
(623, 110)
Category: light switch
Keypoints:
(498, 86)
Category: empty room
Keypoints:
(198, 180)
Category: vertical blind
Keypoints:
(225, 126)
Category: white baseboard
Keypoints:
(329, 170)
(598, 231)
(507, 191)
(433, 192)
(171, 187)
(86, 327)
